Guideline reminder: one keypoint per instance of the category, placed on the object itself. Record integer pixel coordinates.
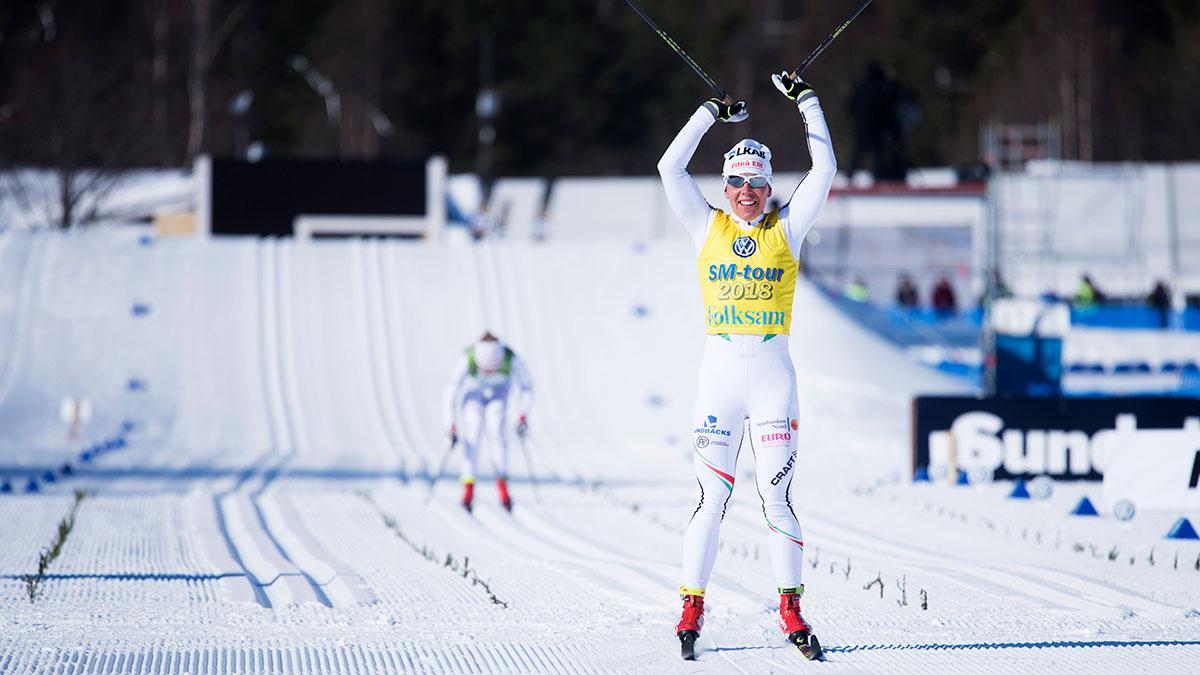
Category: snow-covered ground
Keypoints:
(265, 510)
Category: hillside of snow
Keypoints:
(258, 496)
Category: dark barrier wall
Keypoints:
(1021, 437)
(263, 198)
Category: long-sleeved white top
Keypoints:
(796, 216)
(462, 383)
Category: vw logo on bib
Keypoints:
(744, 247)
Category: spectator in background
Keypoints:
(1160, 299)
(943, 301)
(857, 290)
(906, 292)
(1088, 295)
(1000, 290)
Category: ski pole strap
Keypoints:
(799, 590)
(684, 590)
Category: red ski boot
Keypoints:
(468, 494)
(502, 488)
(792, 622)
(688, 628)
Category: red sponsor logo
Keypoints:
(776, 437)
(795, 425)
(750, 164)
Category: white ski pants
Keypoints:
(743, 377)
(483, 413)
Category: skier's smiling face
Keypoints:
(747, 202)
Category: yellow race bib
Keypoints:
(747, 277)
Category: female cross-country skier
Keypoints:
(748, 262)
(479, 387)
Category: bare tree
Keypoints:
(73, 128)
(158, 11)
(350, 51)
(206, 44)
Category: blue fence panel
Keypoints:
(1117, 316)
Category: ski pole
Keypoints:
(529, 465)
(832, 36)
(679, 50)
(442, 468)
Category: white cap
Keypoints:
(748, 156)
(488, 355)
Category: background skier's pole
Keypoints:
(442, 468)
(529, 466)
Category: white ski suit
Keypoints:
(479, 390)
(746, 372)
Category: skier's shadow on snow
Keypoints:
(751, 648)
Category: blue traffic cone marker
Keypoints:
(32, 485)
(1019, 491)
(85, 456)
(6, 488)
(1183, 530)
(962, 478)
(922, 475)
(48, 476)
(66, 470)
(1085, 508)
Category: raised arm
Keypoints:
(809, 198)
(521, 379)
(453, 391)
(684, 196)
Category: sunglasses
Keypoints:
(738, 181)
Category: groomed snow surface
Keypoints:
(265, 425)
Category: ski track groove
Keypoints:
(849, 543)
(404, 415)
(370, 397)
(408, 418)
(1079, 593)
(507, 285)
(497, 556)
(588, 550)
(376, 338)
(287, 431)
(837, 541)
(253, 533)
(453, 585)
(556, 551)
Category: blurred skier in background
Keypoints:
(748, 261)
(477, 396)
